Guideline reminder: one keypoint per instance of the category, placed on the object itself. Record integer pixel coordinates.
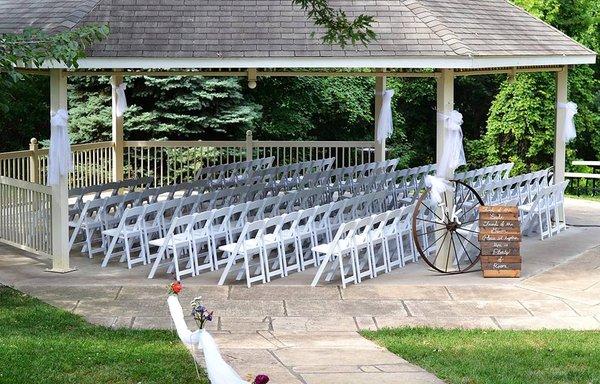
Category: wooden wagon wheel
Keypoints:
(446, 235)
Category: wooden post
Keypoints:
(562, 96)
(379, 90)
(34, 162)
(249, 145)
(117, 132)
(445, 105)
(60, 195)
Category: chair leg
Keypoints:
(109, 252)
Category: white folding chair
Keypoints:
(247, 247)
(339, 250)
(127, 232)
(177, 244)
(200, 237)
(89, 221)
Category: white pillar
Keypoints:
(60, 195)
(562, 93)
(379, 89)
(445, 105)
(117, 132)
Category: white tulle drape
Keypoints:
(453, 155)
(385, 126)
(569, 123)
(121, 99)
(59, 154)
(219, 372)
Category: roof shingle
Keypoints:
(276, 28)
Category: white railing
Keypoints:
(92, 164)
(177, 161)
(26, 215)
(171, 162)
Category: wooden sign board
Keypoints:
(500, 240)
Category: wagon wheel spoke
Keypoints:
(450, 231)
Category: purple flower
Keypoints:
(261, 379)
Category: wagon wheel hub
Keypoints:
(452, 226)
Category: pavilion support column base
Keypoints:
(61, 270)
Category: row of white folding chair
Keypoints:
(313, 225)
(347, 176)
(231, 224)
(281, 176)
(232, 171)
(480, 177)
(107, 213)
(361, 248)
(410, 181)
(546, 213)
(518, 190)
(80, 195)
(99, 214)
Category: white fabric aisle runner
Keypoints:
(385, 125)
(59, 154)
(219, 372)
(569, 123)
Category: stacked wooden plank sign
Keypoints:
(500, 241)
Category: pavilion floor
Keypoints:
(299, 334)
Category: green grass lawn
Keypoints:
(499, 357)
(43, 344)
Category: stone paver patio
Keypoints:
(299, 334)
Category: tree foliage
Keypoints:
(521, 122)
(339, 29)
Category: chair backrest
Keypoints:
(220, 220)
(304, 221)
(152, 214)
(202, 221)
(132, 217)
(344, 232)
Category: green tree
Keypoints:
(177, 108)
(522, 118)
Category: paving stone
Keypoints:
(239, 358)
(284, 292)
(105, 321)
(186, 296)
(245, 324)
(123, 322)
(553, 308)
(436, 322)
(395, 292)
(366, 323)
(435, 309)
(67, 305)
(343, 356)
(70, 292)
(370, 378)
(317, 323)
(244, 341)
(344, 308)
(584, 309)
(166, 323)
(498, 293)
(369, 369)
(323, 340)
(547, 322)
(401, 367)
(334, 368)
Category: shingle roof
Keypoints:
(210, 29)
